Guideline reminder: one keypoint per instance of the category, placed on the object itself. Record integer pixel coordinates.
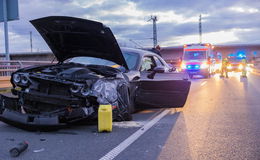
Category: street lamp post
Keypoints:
(7, 56)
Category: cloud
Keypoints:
(234, 21)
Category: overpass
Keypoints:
(170, 54)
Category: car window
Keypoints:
(131, 59)
(91, 60)
(194, 55)
(147, 64)
(158, 61)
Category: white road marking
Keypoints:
(203, 83)
(131, 139)
(128, 124)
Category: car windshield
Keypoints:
(130, 57)
(194, 55)
(91, 60)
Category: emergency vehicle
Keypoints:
(198, 59)
(235, 62)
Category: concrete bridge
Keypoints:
(170, 54)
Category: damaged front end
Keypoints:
(54, 96)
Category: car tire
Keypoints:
(125, 113)
(128, 117)
(131, 104)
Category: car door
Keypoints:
(168, 89)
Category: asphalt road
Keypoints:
(219, 121)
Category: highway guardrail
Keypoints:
(5, 82)
(8, 67)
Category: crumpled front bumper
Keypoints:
(23, 120)
(30, 122)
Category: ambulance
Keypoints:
(198, 59)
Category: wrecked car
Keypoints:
(91, 70)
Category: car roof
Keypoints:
(141, 52)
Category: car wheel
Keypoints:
(128, 117)
(131, 106)
(130, 109)
(124, 108)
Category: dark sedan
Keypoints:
(91, 70)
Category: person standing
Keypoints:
(224, 69)
(244, 64)
(157, 50)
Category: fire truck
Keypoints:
(198, 59)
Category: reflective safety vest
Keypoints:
(243, 61)
(224, 63)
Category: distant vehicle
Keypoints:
(218, 62)
(198, 60)
(235, 63)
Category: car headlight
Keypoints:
(240, 66)
(204, 65)
(85, 91)
(105, 91)
(24, 80)
(183, 66)
(16, 78)
(75, 87)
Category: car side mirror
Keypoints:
(159, 70)
(156, 70)
(171, 67)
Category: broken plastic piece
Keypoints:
(16, 151)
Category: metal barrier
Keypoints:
(5, 82)
(8, 67)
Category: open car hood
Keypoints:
(70, 37)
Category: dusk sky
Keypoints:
(223, 21)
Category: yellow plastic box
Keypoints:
(105, 118)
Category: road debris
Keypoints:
(16, 151)
(128, 124)
(38, 150)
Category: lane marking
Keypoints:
(131, 139)
(128, 124)
(203, 83)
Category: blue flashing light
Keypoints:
(193, 66)
(241, 54)
(231, 55)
